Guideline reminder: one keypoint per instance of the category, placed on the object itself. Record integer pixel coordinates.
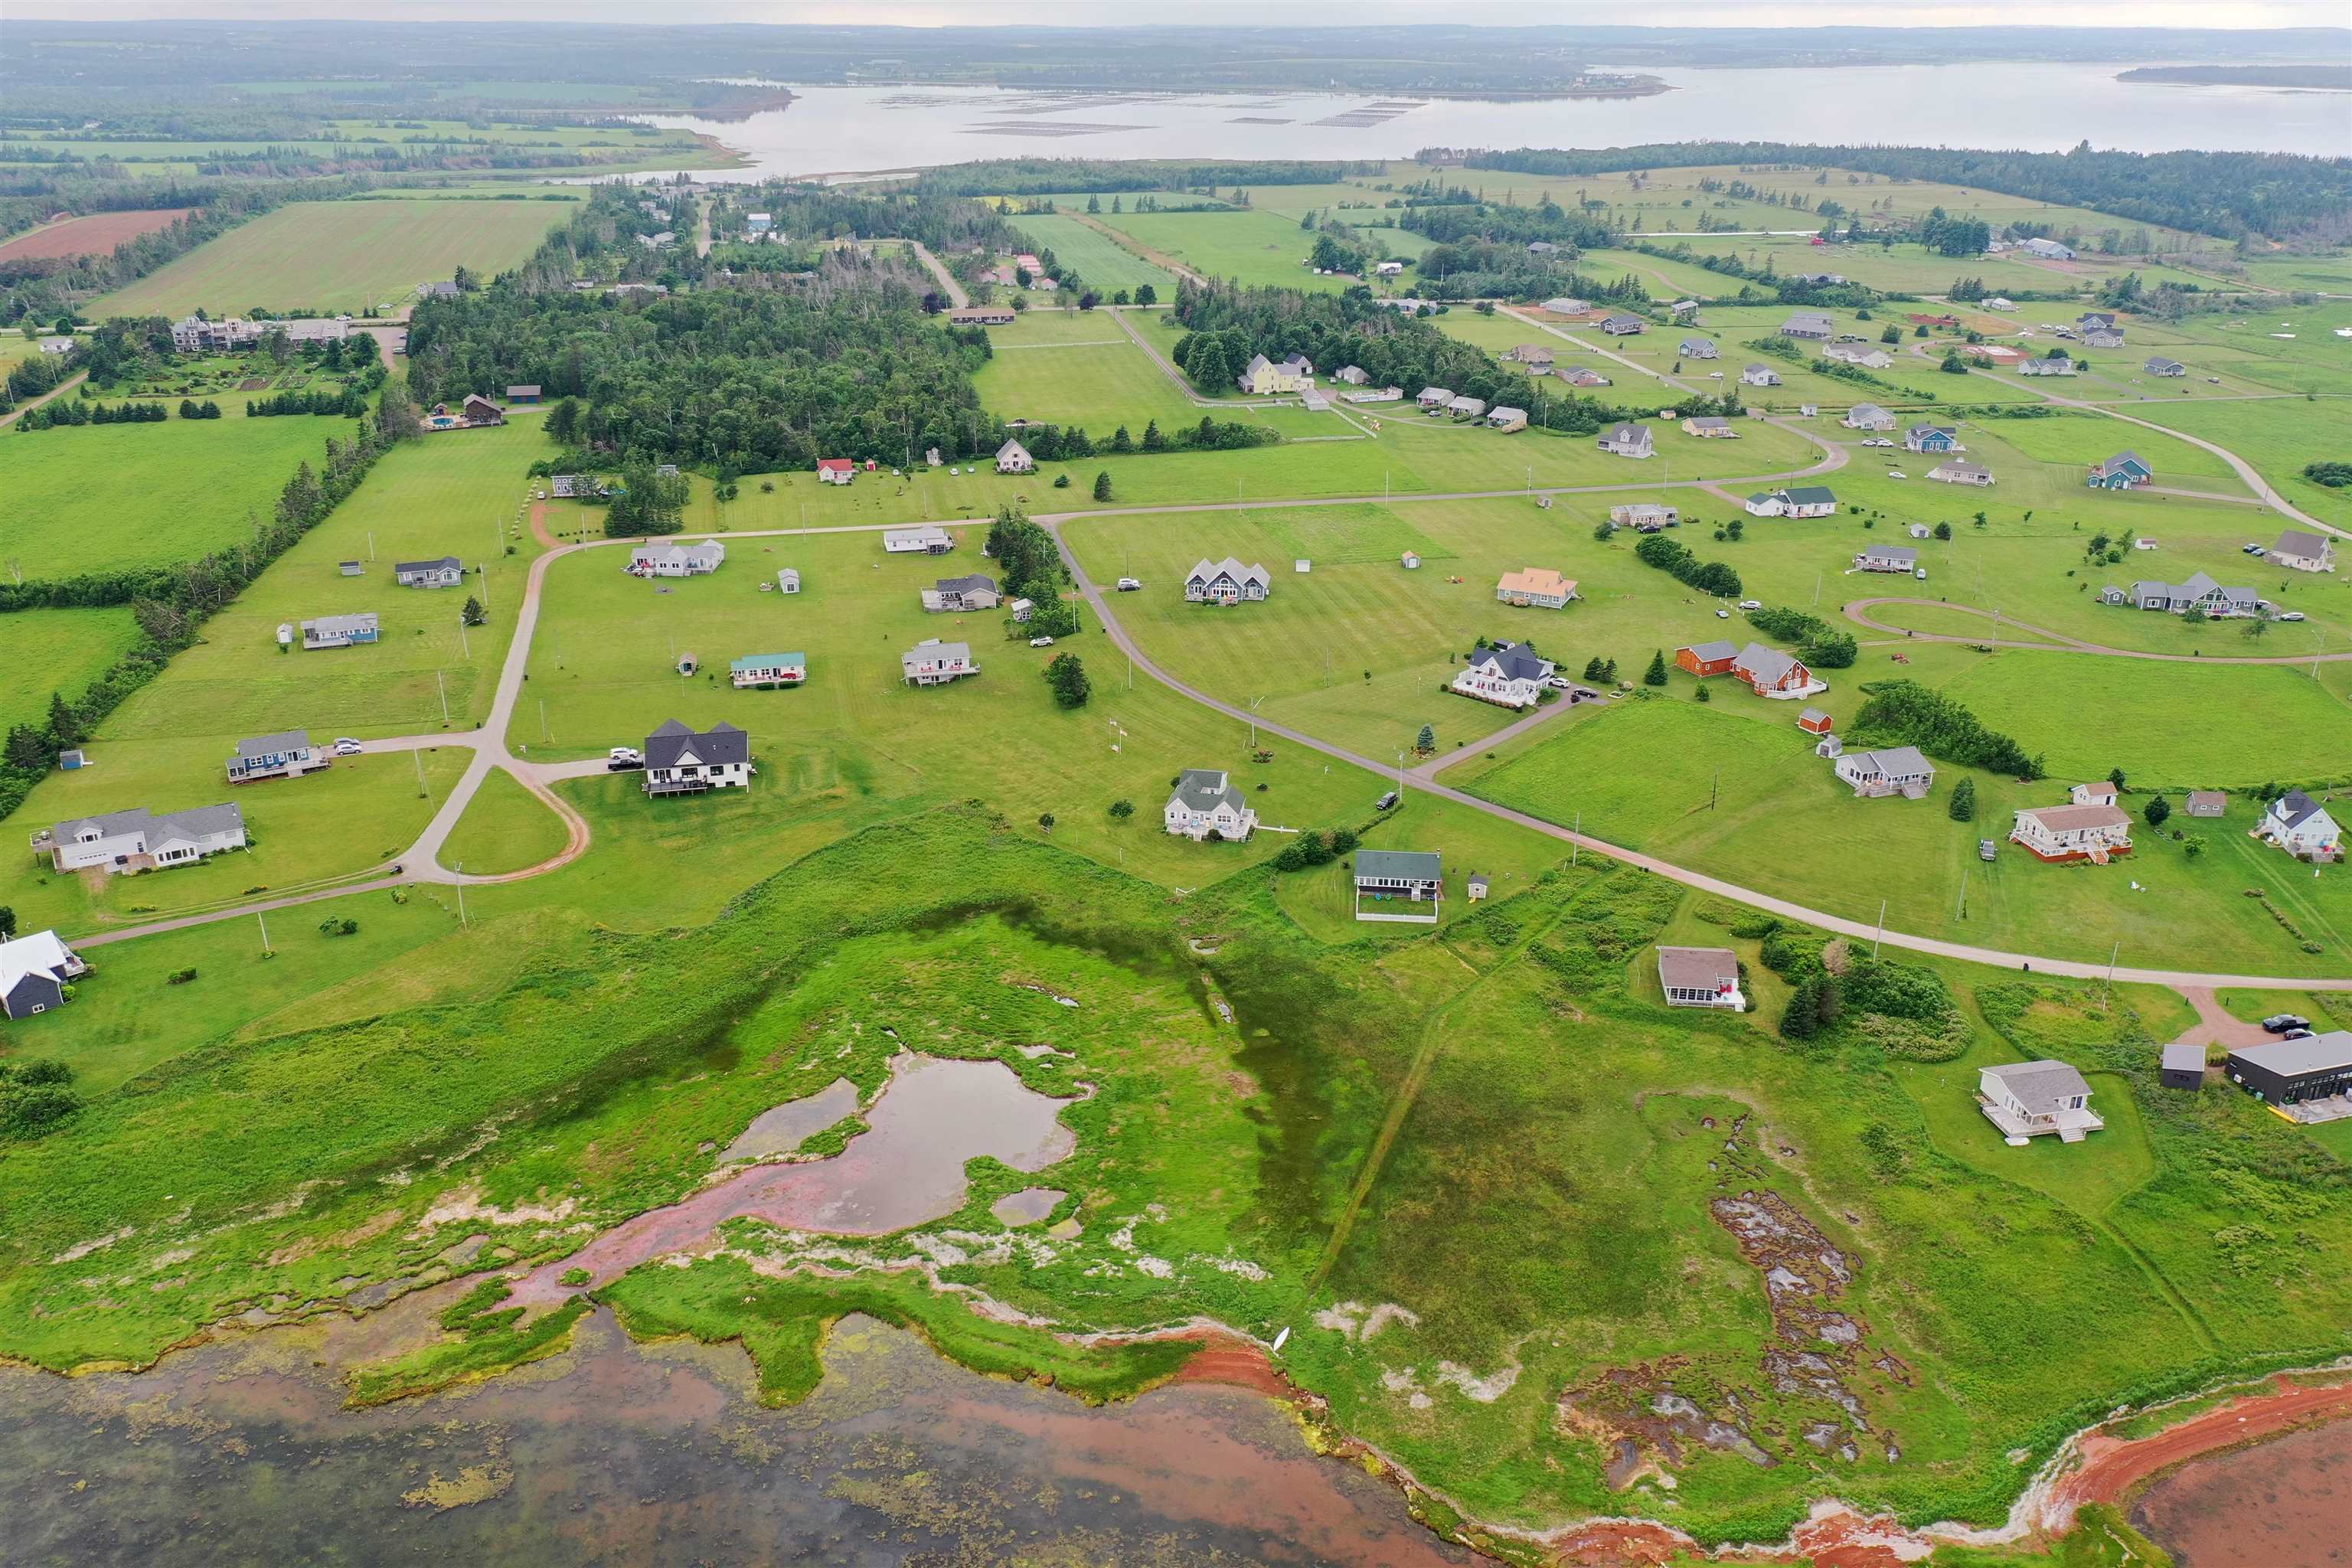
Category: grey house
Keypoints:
(1809, 324)
(287, 755)
(2199, 593)
(445, 572)
(34, 972)
(1389, 877)
(1699, 348)
(680, 761)
(339, 631)
(140, 840)
(955, 595)
(2183, 1066)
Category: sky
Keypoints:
(2238, 14)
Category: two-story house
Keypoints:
(683, 761)
(34, 972)
(2301, 826)
(1207, 804)
(1628, 440)
(1227, 581)
(1508, 674)
(2120, 472)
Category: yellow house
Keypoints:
(1264, 378)
(1535, 586)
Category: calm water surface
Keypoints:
(835, 129)
(2282, 1504)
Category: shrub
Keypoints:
(179, 977)
(1963, 807)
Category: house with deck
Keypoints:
(1627, 440)
(962, 595)
(680, 760)
(2120, 472)
(667, 558)
(1759, 375)
(1622, 326)
(1535, 587)
(1506, 420)
(2049, 365)
(763, 670)
(1861, 354)
(1399, 886)
(1867, 416)
(2199, 593)
(2307, 1080)
(1887, 558)
(442, 572)
(1812, 325)
(1207, 804)
(1769, 672)
(1467, 407)
(1227, 581)
(1508, 674)
(1932, 438)
(935, 663)
(2027, 1100)
(2159, 366)
(1648, 516)
(2061, 833)
(340, 631)
(1795, 500)
(1700, 977)
(35, 971)
(1710, 428)
(2298, 549)
(2301, 826)
(1699, 348)
(126, 842)
(1894, 769)
(1431, 399)
(286, 755)
(1959, 472)
(927, 540)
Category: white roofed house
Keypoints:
(1958, 472)
(340, 631)
(1699, 348)
(2090, 831)
(935, 663)
(926, 540)
(1507, 419)
(1353, 375)
(2301, 826)
(2304, 552)
(34, 972)
(1700, 977)
(1759, 375)
(1507, 675)
(1434, 398)
(958, 595)
(1811, 324)
(1897, 770)
(1861, 354)
(680, 760)
(122, 842)
(1012, 458)
(1207, 804)
(1868, 416)
(2048, 250)
(1648, 516)
(668, 558)
(1710, 428)
(2025, 1099)
(443, 572)
(2052, 364)
(286, 755)
(1628, 440)
(1227, 581)
(2159, 366)
(1465, 406)
(1529, 354)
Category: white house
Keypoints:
(1431, 399)
(2101, 791)
(788, 579)
(667, 558)
(1900, 770)
(765, 669)
(1887, 558)
(935, 663)
(445, 572)
(1796, 500)
(1506, 419)
(1012, 458)
(2301, 826)
(2060, 833)
(2025, 1099)
(2052, 365)
(1759, 375)
(287, 755)
(339, 631)
(1700, 977)
(34, 972)
(1207, 804)
(1465, 406)
(835, 470)
(1648, 516)
(1700, 348)
(1868, 416)
(1628, 441)
(1508, 674)
(2304, 552)
(1227, 581)
(2048, 250)
(956, 596)
(924, 540)
(140, 840)
(1957, 472)
(1861, 354)
(681, 760)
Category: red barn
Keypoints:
(1707, 657)
(1813, 722)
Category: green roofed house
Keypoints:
(768, 670)
(1386, 878)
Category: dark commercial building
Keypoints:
(2184, 1066)
(2289, 1072)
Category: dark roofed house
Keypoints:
(1623, 325)
(1385, 877)
(2183, 1066)
(480, 410)
(526, 393)
(2309, 1080)
(34, 970)
(682, 761)
(442, 572)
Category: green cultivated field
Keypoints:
(1078, 368)
(344, 255)
(1102, 262)
(99, 497)
(1253, 247)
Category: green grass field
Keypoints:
(505, 828)
(1105, 265)
(1250, 246)
(347, 255)
(67, 647)
(1078, 368)
(99, 497)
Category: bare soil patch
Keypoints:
(96, 235)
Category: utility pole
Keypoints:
(464, 644)
(1715, 790)
(1961, 909)
(370, 543)
(1882, 927)
(418, 755)
(543, 736)
(443, 688)
(1573, 847)
(263, 924)
(2114, 954)
(462, 921)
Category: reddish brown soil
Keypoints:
(2112, 1468)
(1237, 1363)
(93, 236)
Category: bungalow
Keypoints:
(2059, 833)
(138, 840)
(1648, 516)
(1944, 320)
(2301, 826)
(2048, 250)
(443, 572)
(935, 663)
(1508, 674)
(1263, 378)
(2207, 802)
(1932, 438)
(835, 470)
(958, 595)
(1900, 770)
(1760, 376)
(1012, 458)
(788, 579)
(1562, 306)
(1868, 416)
(983, 316)
(1227, 581)
(2100, 339)
(1796, 500)
(1207, 804)
(1467, 407)
(1388, 876)
(1628, 440)
(2289, 1072)
(681, 760)
(1861, 354)
(1682, 309)
(1530, 354)
(1811, 324)
(2159, 366)
(927, 540)
(2302, 552)
(1433, 398)
(1388, 268)
(1887, 558)
(1506, 419)
(1375, 395)
(2055, 364)
(1622, 326)
(1813, 722)
(1541, 247)
(766, 669)
(1769, 672)
(2089, 318)
(1353, 375)
(2199, 592)
(1710, 428)
(1579, 375)
(65, 345)
(1700, 977)
(2001, 302)
(1536, 587)
(1960, 473)
(443, 291)
(339, 631)
(670, 559)
(34, 972)
(1707, 657)
(286, 755)
(1699, 348)
(2120, 472)
(2025, 1099)
(758, 223)
(479, 410)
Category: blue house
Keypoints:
(1933, 438)
(2120, 472)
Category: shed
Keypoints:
(789, 579)
(71, 760)
(1477, 886)
(2183, 1067)
(350, 568)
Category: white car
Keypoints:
(1897, 473)
(1560, 683)
(1920, 573)
(2290, 614)
(625, 754)
(1041, 642)
(1722, 615)
(346, 747)
(1751, 603)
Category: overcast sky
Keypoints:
(1210, 13)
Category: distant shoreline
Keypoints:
(2326, 77)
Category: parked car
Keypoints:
(2280, 1023)
(2290, 614)
(1041, 642)
(1897, 473)
(1985, 850)
(625, 755)
(1129, 584)
(624, 764)
(2250, 549)
(1722, 615)
(1561, 683)
(1920, 573)
(1751, 603)
(1386, 802)
(346, 747)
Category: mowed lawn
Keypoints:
(1100, 261)
(101, 498)
(1249, 246)
(1733, 789)
(56, 650)
(1082, 370)
(347, 255)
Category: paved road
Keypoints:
(2058, 642)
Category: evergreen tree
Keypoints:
(1656, 674)
(1102, 486)
(1067, 677)
(2156, 809)
(1963, 801)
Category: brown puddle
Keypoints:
(1028, 1205)
(936, 1113)
(781, 1128)
(2285, 1503)
(614, 1453)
